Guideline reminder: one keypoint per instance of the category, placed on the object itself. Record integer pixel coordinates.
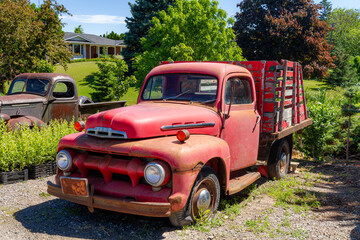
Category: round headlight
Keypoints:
(64, 160)
(154, 174)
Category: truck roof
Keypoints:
(50, 76)
(208, 68)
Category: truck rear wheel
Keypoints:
(203, 200)
(279, 159)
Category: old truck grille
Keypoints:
(104, 132)
(110, 166)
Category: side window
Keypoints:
(240, 89)
(64, 90)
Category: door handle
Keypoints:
(258, 118)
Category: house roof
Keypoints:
(91, 39)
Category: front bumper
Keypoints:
(151, 209)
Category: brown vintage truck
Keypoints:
(37, 98)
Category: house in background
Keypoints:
(92, 46)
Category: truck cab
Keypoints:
(197, 131)
(37, 98)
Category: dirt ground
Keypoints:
(28, 212)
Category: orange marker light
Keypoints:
(183, 135)
(79, 126)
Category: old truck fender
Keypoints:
(4, 117)
(30, 121)
(185, 159)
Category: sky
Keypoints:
(98, 17)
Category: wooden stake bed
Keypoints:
(280, 96)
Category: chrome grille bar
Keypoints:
(184, 126)
(103, 132)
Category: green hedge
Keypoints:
(27, 147)
(108, 59)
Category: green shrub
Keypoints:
(108, 59)
(45, 67)
(318, 139)
(27, 147)
(327, 136)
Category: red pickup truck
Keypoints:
(198, 130)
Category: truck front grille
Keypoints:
(103, 132)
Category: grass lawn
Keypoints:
(79, 71)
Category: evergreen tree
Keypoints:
(326, 9)
(349, 110)
(139, 24)
(284, 29)
(343, 74)
(110, 82)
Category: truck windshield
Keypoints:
(182, 87)
(30, 85)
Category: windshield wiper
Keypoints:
(179, 95)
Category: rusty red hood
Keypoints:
(155, 119)
(20, 99)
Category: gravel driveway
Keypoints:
(28, 212)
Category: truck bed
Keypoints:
(280, 96)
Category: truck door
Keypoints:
(242, 124)
(63, 101)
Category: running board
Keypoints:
(239, 183)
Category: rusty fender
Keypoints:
(29, 121)
(185, 159)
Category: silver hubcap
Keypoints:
(204, 199)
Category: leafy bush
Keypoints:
(26, 147)
(327, 136)
(108, 59)
(45, 67)
(317, 139)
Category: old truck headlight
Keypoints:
(64, 160)
(157, 174)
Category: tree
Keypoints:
(343, 74)
(139, 24)
(113, 35)
(79, 29)
(326, 9)
(110, 82)
(348, 110)
(29, 34)
(189, 30)
(346, 30)
(284, 29)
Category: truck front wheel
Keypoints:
(279, 159)
(203, 201)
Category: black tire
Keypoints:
(84, 100)
(279, 159)
(205, 181)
